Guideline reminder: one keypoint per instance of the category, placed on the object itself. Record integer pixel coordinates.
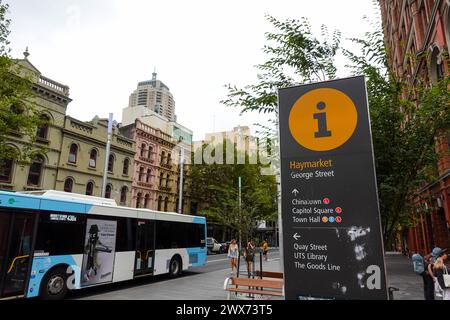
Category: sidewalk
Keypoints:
(400, 274)
(203, 286)
(209, 285)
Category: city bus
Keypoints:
(52, 242)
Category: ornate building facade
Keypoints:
(156, 175)
(417, 36)
(83, 151)
(75, 150)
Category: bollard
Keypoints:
(391, 292)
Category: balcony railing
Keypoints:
(145, 159)
(60, 88)
(145, 184)
(168, 189)
(167, 165)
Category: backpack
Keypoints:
(418, 263)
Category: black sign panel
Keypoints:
(332, 241)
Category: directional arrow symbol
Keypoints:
(296, 236)
(295, 192)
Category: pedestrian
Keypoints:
(440, 269)
(249, 255)
(233, 251)
(265, 249)
(435, 254)
(427, 275)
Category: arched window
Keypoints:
(35, 173)
(141, 173)
(161, 179)
(68, 185)
(169, 158)
(149, 175)
(159, 203)
(90, 188)
(146, 201)
(73, 153)
(138, 200)
(163, 157)
(166, 204)
(93, 158)
(111, 163)
(143, 146)
(436, 65)
(126, 166)
(123, 195)
(167, 181)
(42, 130)
(6, 169)
(108, 191)
(150, 152)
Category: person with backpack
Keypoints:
(435, 254)
(421, 268)
(440, 271)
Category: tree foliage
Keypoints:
(405, 119)
(18, 114)
(217, 185)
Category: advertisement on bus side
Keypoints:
(99, 251)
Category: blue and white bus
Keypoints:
(52, 242)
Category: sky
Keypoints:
(101, 49)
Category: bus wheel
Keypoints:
(174, 267)
(54, 285)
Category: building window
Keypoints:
(138, 200)
(42, 130)
(167, 181)
(68, 185)
(73, 152)
(123, 195)
(163, 157)
(149, 175)
(93, 158)
(141, 173)
(143, 150)
(111, 163)
(126, 165)
(108, 191)
(34, 175)
(159, 203)
(169, 159)
(166, 204)
(6, 168)
(146, 200)
(161, 179)
(150, 152)
(90, 189)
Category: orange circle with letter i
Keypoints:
(323, 119)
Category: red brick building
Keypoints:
(417, 35)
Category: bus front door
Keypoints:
(16, 236)
(145, 248)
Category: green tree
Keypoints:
(217, 185)
(404, 119)
(18, 114)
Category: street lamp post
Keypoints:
(240, 212)
(108, 148)
(180, 198)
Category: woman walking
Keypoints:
(233, 251)
(440, 269)
(250, 256)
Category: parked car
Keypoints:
(213, 246)
(225, 246)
